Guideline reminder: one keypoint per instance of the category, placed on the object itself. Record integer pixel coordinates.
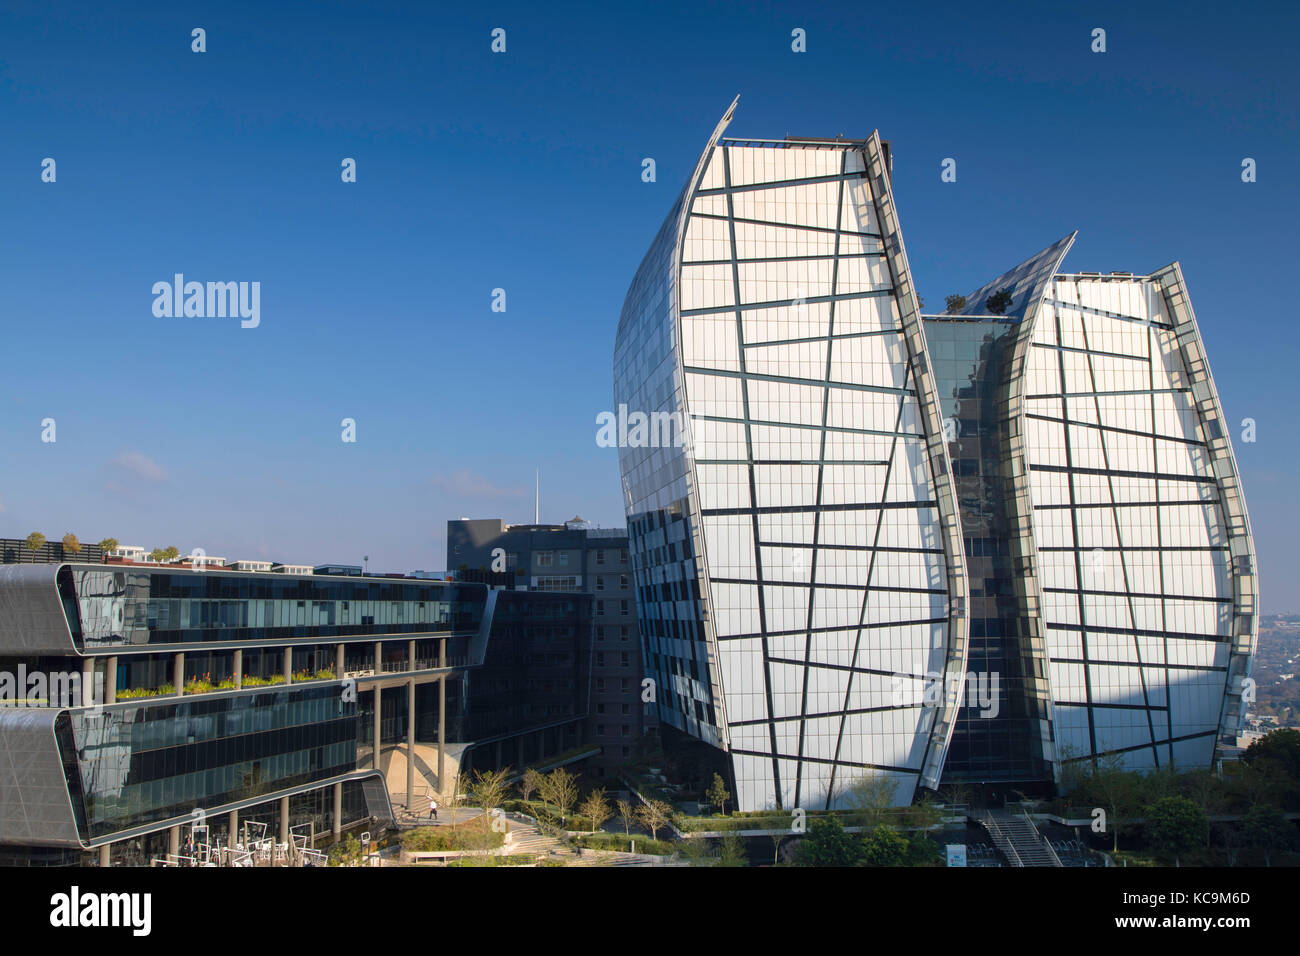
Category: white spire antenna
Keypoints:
(537, 500)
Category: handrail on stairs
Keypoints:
(1001, 840)
(1047, 844)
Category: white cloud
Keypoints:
(467, 484)
(139, 466)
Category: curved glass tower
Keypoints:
(797, 554)
(850, 546)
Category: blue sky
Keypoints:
(522, 171)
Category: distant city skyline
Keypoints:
(523, 171)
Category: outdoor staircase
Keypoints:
(1018, 839)
(525, 837)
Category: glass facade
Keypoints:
(789, 555)
(968, 549)
(996, 738)
(1146, 608)
(131, 766)
(113, 606)
(537, 666)
(152, 756)
(315, 807)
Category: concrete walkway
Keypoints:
(446, 817)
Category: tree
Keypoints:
(777, 837)
(872, 797)
(1257, 782)
(925, 813)
(35, 541)
(696, 853)
(718, 794)
(654, 816)
(732, 851)
(460, 786)
(956, 794)
(170, 553)
(349, 852)
(108, 544)
(1158, 784)
(1116, 788)
(1206, 791)
(529, 782)
(1232, 838)
(544, 790)
(955, 303)
(71, 544)
(826, 844)
(1281, 747)
(1274, 759)
(1268, 830)
(922, 851)
(626, 814)
(595, 808)
(884, 846)
(559, 787)
(998, 302)
(488, 790)
(1175, 824)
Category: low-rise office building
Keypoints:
(143, 699)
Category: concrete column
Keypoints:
(284, 819)
(410, 739)
(178, 674)
(338, 661)
(442, 653)
(105, 855)
(87, 683)
(442, 734)
(110, 680)
(174, 841)
(410, 655)
(232, 828)
(338, 807)
(379, 658)
(239, 668)
(288, 665)
(379, 701)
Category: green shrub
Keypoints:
(467, 836)
(252, 680)
(623, 843)
(753, 821)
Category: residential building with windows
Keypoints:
(921, 548)
(244, 565)
(576, 558)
